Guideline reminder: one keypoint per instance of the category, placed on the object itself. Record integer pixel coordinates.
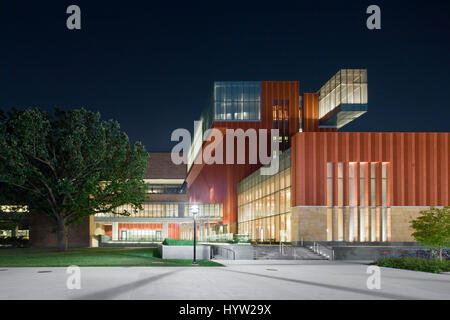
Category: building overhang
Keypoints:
(154, 220)
(342, 115)
(164, 181)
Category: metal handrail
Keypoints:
(228, 250)
(323, 250)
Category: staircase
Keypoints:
(265, 252)
(284, 252)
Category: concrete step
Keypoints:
(286, 253)
(266, 252)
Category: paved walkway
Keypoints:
(239, 280)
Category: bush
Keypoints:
(17, 242)
(415, 264)
(177, 242)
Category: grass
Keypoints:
(92, 257)
(415, 264)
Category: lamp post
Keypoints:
(194, 210)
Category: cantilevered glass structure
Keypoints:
(343, 98)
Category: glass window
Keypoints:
(348, 86)
(237, 100)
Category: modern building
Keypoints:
(331, 185)
(166, 213)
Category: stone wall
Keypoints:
(401, 218)
(309, 224)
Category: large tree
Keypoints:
(69, 165)
(433, 228)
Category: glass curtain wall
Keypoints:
(167, 210)
(237, 100)
(205, 210)
(348, 86)
(264, 204)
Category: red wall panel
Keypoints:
(311, 114)
(108, 230)
(174, 230)
(418, 170)
(140, 226)
(218, 182)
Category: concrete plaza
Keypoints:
(266, 280)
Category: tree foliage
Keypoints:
(432, 228)
(69, 165)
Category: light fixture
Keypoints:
(194, 211)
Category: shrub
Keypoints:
(433, 228)
(415, 264)
(17, 242)
(177, 242)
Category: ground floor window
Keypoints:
(361, 224)
(269, 229)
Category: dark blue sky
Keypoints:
(151, 66)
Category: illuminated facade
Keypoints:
(165, 214)
(264, 204)
(332, 186)
(356, 187)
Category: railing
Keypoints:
(426, 253)
(282, 248)
(221, 237)
(221, 249)
(287, 249)
(154, 239)
(322, 250)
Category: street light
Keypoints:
(194, 210)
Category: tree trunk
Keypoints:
(61, 233)
(440, 254)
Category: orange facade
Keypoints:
(218, 182)
(311, 114)
(418, 165)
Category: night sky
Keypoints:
(151, 65)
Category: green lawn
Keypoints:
(93, 257)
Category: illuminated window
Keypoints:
(264, 216)
(237, 100)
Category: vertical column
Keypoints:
(362, 202)
(329, 201)
(384, 217)
(115, 231)
(340, 202)
(378, 202)
(165, 230)
(14, 231)
(373, 201)
(352, 202)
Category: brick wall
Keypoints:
(160, 166)
(41, 235)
